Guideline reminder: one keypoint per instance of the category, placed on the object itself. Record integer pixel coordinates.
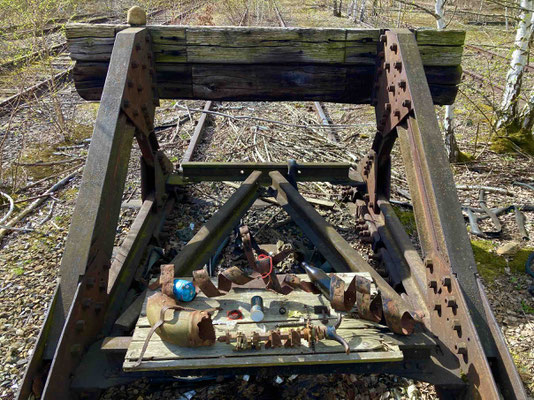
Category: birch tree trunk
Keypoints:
(509, 105)
(362, 10)
(448, 123)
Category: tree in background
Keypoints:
(448, 122)
(515, 128)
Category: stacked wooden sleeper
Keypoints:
(272, 64)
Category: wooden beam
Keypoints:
(264, 64)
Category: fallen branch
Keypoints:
(11, 207)
(250, 117)
(486, 188)
(47, 164)
(28, 210)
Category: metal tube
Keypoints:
(200, 248)
(339, 253)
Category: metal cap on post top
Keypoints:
(136, 16)
(256, 309)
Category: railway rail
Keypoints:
(61, 68)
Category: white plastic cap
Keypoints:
(256, 314)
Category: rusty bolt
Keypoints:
(455, 325)
(86, 303)
(387, 107)
(433, 284)
(461, 348)
(130, 83)
(402, 84)
(393, 47)
(397, 113)
(387, 66)
(75, 349)
(407, 103)
(398, 65)
(428, 263)
(391, 88)
(383, 38)
(134, 64)
(446, 281)
(80, 325)
(437, 307)
(451, 301)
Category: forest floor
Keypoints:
(29, 260)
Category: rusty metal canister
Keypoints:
(181, 327)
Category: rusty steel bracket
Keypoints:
(404, 109)
(140, 96)
(392, 94)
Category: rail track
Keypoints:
(60, 70)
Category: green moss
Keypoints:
(511, 136)
(491, 266)
(465, 157)
(407, 219)
(18, 271)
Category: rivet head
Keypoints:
(451, 301)
(437, 307)
(387, 66)
(446, 281)
(407, 103)
(387, 107)
(134, 64)
(393, 47)
(402, 84)
(461, 348)
(126, 104)
(391, 88)
(432, 284)
(80, 325)
(455, 325)
(398, 65)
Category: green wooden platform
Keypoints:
(369, 342)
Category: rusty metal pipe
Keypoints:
(340, 254)
(200, 248)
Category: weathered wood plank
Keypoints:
(267, 361)
(440, 38)
(367, 340)
(265, 64)
(245, 45)
(257, 82)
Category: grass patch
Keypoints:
(407, 220)
(491, 266)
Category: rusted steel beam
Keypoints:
(339, 173)
(126, 262)
(201, 247)
(339, 253)
(197, 134)
(77, 314)
(457, 316)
